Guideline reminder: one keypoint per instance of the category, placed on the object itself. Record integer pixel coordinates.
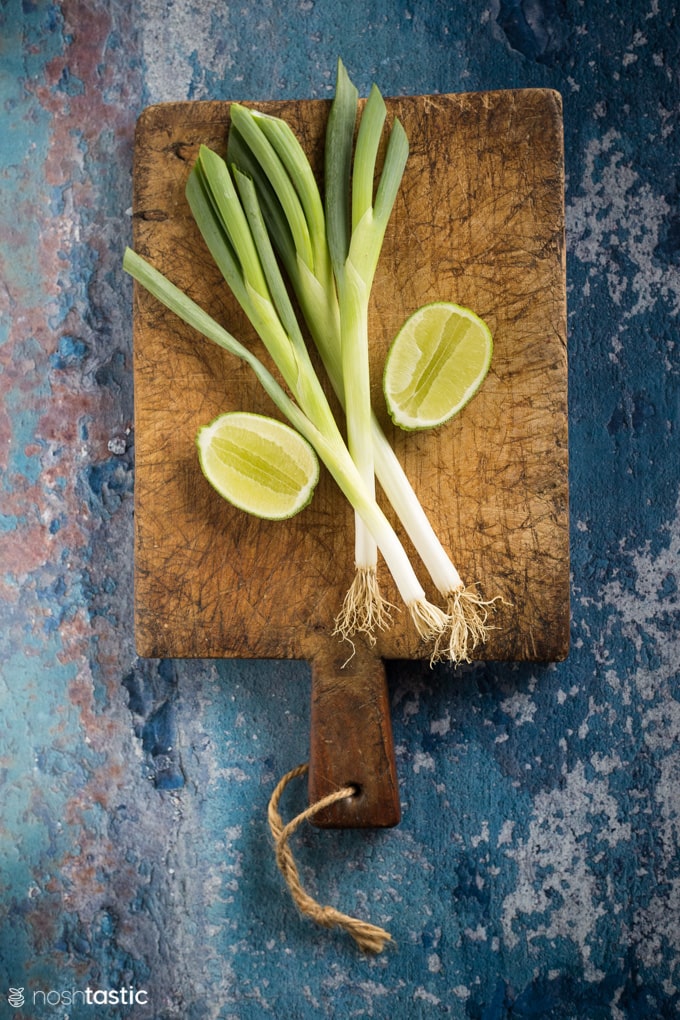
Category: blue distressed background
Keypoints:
(535, 873)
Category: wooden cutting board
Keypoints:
(479, 221)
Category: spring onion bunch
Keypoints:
(263, 203)
(227, 212)
(334, 302)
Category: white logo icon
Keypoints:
(16, 997)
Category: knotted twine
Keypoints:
(368, 937)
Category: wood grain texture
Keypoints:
(351, 739)
(480, 221)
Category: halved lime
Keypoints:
(259, 464)
(436, 363)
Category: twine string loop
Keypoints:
(369, 937)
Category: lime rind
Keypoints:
(437, 344)
(258, 464)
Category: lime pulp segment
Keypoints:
(259, 464)
(437, 362)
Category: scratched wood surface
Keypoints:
(480, 221)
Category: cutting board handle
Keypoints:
(351, 739)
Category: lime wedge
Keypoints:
(436, 363)
(259, 464)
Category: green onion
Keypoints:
(267, 149)
(233, 232)
(355, 257)
(267, 205)
(350, 218)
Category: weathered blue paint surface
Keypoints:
(536, 870)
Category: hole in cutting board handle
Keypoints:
(351, 736)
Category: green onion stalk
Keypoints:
(330, 255)
(355, 230)
(317, 261)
